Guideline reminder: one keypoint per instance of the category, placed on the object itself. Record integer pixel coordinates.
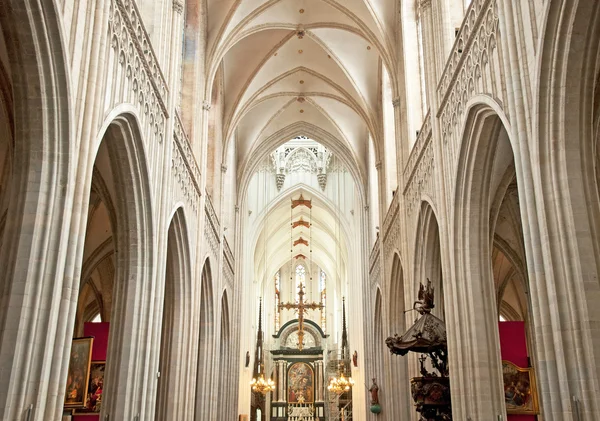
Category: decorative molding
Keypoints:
(417, 150)
(279, 180)
(206, 106)
(475, 43)
(211, 226)
(424, 4)
(178, 6)
(391, 225)
(184, 166)
(223, 169)
(421, 179)
(229, 263)
(375, 263)
(130, 39)
(396, 102)
(322, 179)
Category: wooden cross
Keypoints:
(301, 306)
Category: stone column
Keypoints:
(281, 365)
(319, 381)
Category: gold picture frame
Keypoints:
(78, 373)
(93, 400)
(520, 389)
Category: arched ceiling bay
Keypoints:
(274, 238)
(290, 61)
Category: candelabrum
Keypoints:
(340, 384)
(261, 385)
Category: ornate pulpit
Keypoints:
(431, 391)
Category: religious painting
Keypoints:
(520, 394)
(78, 374)
(93, 400)
(300, 383)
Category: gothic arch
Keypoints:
(567, 204)
(378, 338)
(397, 383)
(42, 156)
(175, 361)
(134, 268)
(225, 358)
(206, 384)
(428, 256)
(338, 147)
(485, 159)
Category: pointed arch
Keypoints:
(428, 256)
(127, 391)
(397, 383)
(206, 384)
(41, 187)
(485, 158)
(225, 355)
(173, 394)
(566, 214)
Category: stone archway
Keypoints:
(129, 385)
(42, 151)
(174, 388)
(206, 386)
(397, 381)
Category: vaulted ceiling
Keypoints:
(314, 62)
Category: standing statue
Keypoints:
(355, 359)
(247, 358)
(374, 393)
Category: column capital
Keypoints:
(206, 106)
(396, 102)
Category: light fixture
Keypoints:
(260, 385)
(341, 384)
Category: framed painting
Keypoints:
(93, 401)
(300, 383)
(79, 371)
(520, 392)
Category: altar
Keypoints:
(299, 374)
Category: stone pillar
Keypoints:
(281, 395)
(319, 381)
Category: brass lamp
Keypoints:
(260, 385)
(341, 384)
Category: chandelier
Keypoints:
(261, 385)
(340, 384)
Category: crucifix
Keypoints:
(301, 306)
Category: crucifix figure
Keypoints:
(301, 306)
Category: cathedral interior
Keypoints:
(300, 210)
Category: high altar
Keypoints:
(299, 373)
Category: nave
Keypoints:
(299, 210)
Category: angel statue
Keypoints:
(425, 302)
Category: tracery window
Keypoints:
(277, 300)
(323, 290)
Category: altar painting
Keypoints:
(300, 383)
(520, 395)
